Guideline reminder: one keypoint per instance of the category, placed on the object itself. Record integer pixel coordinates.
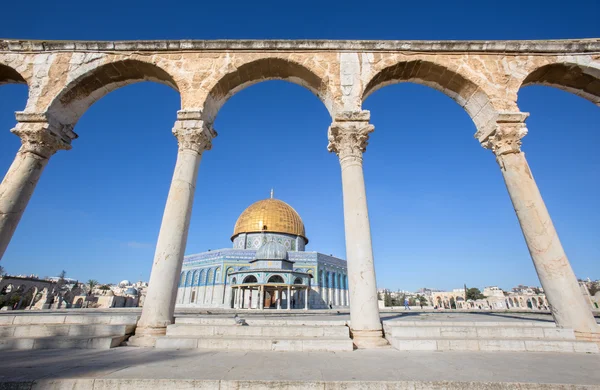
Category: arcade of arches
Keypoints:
(65, 78)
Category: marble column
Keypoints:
(289, 298)
(39, 141)
(348, 139)
(306, 298)
(551, 263)
(278, 294)
(261, 298)
(194, 137)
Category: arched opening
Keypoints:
(581, 80)
(88, 88)
(123, 136)
(250, 279)
(437, 175)
(562, 122)
(260, 70)
(275, 279)
(298, 281)
(283, 136)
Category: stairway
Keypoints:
(523, 336)
(256, 335)
(73, 330)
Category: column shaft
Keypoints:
(159, 305)
(551, 263)
(39, 141)
(349, 140)
(16, 190)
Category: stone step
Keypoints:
(514, 345)
(76, 318)
(258, 343)
(218, 321)
(257, 330)
(39, 330)
(480, 332)
(526, 324)
(78, 342)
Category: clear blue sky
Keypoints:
(440, 213)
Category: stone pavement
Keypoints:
(133, 368)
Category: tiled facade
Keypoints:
(204, 283)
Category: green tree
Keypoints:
(593, 288)
(1, 271)
(91, 284)
(104, 287)
(387, 298)
(474, 293)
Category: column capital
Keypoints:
(349, 139)
(193, 132)
(41, 135)
(509, 128)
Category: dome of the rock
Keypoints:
(270, 215)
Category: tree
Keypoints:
(387, 298)
(536, 291)
(91, 284)
(474, 293)
(104, 287)
(422, 300)
(593, 288)
(1, 270)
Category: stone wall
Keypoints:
(65, 78)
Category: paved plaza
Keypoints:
(132, 368)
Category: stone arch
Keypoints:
(9, 75)
(455, 85)
(581, 80)
(263, 69)
(79, 94)
(275, 279)
(298, 280)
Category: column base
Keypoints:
(146, 337)
(368, 339)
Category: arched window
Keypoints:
(233, 281)
(298, 281)
(195, 279)
(218, 275)
(182, 280)
(202, 278)
(210, 275)
(250, 279)
(275, 279)
(188, 278)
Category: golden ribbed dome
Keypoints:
(270, 215)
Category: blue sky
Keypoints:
(440, 213)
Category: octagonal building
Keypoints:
(267, 268)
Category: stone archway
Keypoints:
(456, 85)
(258, 70)
(79, 94)
(578, 79)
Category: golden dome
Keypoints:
(270, 215)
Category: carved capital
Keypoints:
(192, 132)
(41, 136)
(349, 139)
(506, 137)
